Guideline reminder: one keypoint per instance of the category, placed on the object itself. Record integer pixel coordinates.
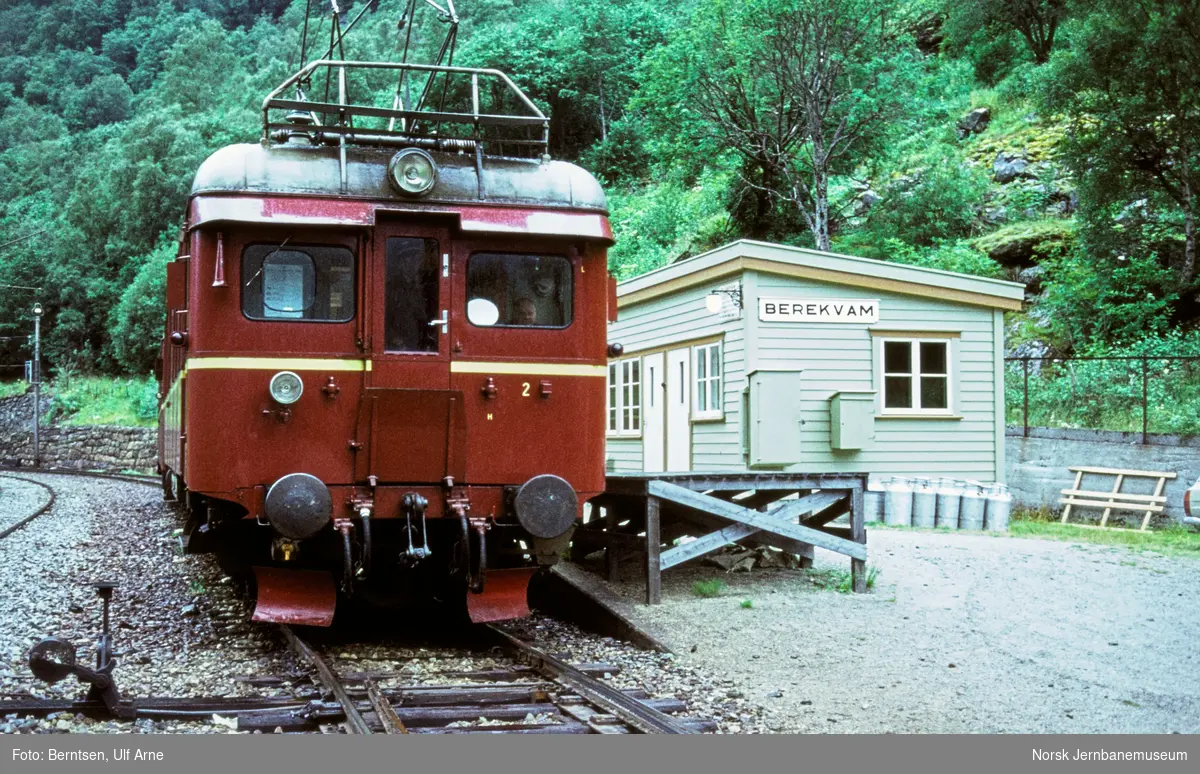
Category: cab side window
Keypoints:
(519, 290)
(413, 270)
(310, 283)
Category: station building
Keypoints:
(762, 357)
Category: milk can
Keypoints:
(949, 495)
(924, 503)
(873, 500)
(897, 508)
(999, 506)
(971, 509)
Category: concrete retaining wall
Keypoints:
(1037, 466)
(93, 447)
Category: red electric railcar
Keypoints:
(384, 360)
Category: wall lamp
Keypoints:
(712, 302)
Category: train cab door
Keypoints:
(412, 418)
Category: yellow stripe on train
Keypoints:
(353, 364)
(278, 363)
(532, 369)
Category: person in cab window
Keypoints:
(524, 312)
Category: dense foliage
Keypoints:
(854, 125)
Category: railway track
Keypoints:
(133, 478)
(526, 691)
(7, 529)
(534, 694)
(538, 693)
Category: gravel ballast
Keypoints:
(19, 499)
(177, 620)
(181, 626)
(960, 634)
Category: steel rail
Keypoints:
(384, 710)
(354, 719)
(630, 711)
(130, 478)
(46, 507)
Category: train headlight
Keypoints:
(286, 387)
(412, 171)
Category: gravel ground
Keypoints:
(180, 628)
(961, 633)
(18, 499)
(708, 693)
(177, 620)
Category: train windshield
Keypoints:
(519, 290)
(310, 283)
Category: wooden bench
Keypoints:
(1115, 499)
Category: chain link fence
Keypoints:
(1128, 394)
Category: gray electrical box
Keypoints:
(773, 418)
(852, 420)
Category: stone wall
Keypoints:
(92, 447)
(1037, 466)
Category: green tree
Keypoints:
(800, 90)
(937, 200)
(105, 100)
(137, 320)
(1130, 87)
(1037, 21)
(577, 59)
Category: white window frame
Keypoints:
(629, 424)
(914, 344)
(700, 385)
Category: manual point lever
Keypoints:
(53, 659)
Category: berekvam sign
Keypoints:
(819, 310)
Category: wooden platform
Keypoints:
(646, 513)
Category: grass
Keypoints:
(1044, 524)
(97, 400)
(1174, 540)
(708, 588)
(9, 389)
(747, 604)
(845, 583)
(837, 579)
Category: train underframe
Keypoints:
(391, 559)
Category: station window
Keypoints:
(916, 376)
(518, 290)
(706, 365)
(625, 397)
(413, 271)
(311, 283)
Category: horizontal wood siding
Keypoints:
(623, 455)
(836, 357)
(833, 357)
(680, 318)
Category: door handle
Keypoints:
(444, 321)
